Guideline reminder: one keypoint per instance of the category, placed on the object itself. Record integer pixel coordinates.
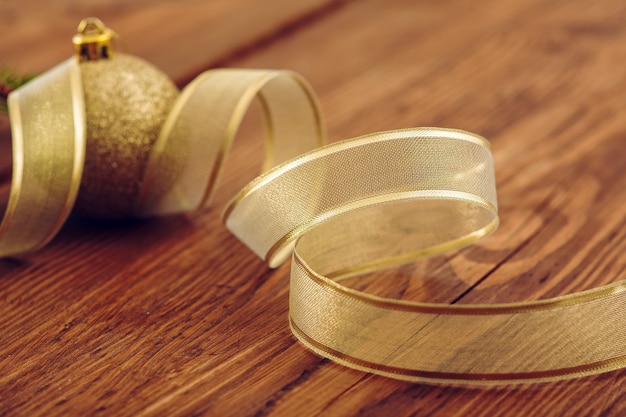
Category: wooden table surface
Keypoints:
(174, 316)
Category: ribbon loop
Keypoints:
(48, 136)
(439, 166)
(187, 159)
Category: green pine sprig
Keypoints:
(9, 81)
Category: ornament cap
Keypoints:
(93, 40)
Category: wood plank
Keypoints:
(175, 316)
(181, 38)
(537, 94)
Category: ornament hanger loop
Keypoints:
(93, 40)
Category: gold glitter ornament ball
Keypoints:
(127, 101)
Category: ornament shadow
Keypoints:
(125, 232)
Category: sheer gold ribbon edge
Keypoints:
(455, 378)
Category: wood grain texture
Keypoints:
(174, 316)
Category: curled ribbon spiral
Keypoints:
(339, 210)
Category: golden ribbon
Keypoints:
(343, 209)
